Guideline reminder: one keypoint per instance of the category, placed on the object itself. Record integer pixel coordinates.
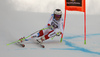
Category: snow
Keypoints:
(16, 24)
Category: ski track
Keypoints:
(67, 43)
(76, 47)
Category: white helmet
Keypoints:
(58, 12)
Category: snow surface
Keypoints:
(16, 24)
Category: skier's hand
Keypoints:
(59, 33)
(50, 27)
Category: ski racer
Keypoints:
(55, 25)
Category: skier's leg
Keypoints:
(49, 35)
(52, 34)
(38, 34)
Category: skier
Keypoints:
(55, 25)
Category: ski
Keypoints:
(41, 45)
(23, 45)
(20, 44)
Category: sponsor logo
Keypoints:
(74, 2)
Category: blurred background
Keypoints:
(20, 18)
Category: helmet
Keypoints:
(58, 12)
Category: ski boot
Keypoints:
(20, 42)
(40, 41)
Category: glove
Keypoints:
(59, 33)
(50, 27)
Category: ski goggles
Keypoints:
(57, 15)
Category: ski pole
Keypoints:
(27, 36)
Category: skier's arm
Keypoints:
(49, 22)
(61, 26)
(61, 29)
